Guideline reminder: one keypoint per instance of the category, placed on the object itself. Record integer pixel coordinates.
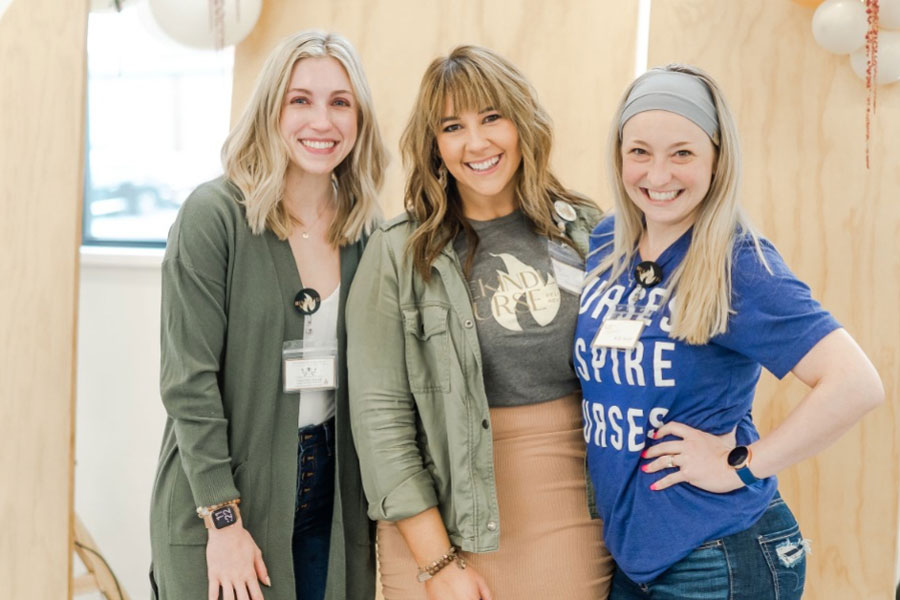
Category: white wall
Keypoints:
(118, 417)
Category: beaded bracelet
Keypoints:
(220, 515)
(203, 511)
(452, 555)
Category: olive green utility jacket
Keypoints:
(230, 431)
(418, 407)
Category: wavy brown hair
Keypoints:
(473, 78)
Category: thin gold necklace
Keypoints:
(305, 233)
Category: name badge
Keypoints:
(308, 368)
(568, 278)
(568, 268)
(618, 333)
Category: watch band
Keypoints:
(746, 475)
(739, 460)
(220, 515)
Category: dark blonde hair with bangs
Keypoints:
(475, 78)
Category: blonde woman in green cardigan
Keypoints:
(257, 494)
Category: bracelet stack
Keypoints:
(452, 555)
(202, 511)
(220, 515)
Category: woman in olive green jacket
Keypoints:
(257, 442)
(464, 403)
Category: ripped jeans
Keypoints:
(765, 562)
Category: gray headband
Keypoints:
(675, 92)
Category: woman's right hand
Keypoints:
(453, 583)
(427, 539)
(234, 563)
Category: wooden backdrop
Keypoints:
(42, 53)
(801, 114)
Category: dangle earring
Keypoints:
(442, 176)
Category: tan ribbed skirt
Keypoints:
(549, 547)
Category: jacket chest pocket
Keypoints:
(427, 348)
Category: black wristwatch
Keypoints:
(739, 460)
(220, 515)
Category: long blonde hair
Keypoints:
(703, 278)
(255, 156)
(474, 78)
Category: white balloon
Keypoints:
(889, 14)
(4, 4)
(188, 21)
(148, 22)
(840, 26)
(110, 5)
(888, 58)
(101, 5)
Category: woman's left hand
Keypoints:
(700, 459)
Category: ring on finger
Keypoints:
(671, 463)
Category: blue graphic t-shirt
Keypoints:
(709, 387)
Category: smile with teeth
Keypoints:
(485, 164)
(318, 144)
(661, 196)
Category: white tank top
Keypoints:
(320, 328)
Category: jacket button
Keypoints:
(491, 526)
(468, 323)
(485, 424)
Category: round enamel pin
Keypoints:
(307, 301)
(564, 210)
(648, 273)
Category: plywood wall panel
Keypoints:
(42, 50)
(801, 114)
(578, 54)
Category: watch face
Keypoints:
(223, 517)
(738, 456)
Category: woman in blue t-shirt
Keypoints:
(682, 306)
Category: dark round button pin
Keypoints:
(648, 273)
(307, 301)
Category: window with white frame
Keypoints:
(158, 114)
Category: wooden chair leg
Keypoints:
(99, 576)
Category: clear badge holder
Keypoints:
(568, 267)
(621, 328)
(309, 368)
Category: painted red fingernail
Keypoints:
(652, 434)
(644, 468)
(653, 486)
(644, 454)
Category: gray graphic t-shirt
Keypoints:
(526, 323)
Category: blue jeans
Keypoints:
(766, 561)
(312, 509)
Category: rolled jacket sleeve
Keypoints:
(193, 329)
(382, 408)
